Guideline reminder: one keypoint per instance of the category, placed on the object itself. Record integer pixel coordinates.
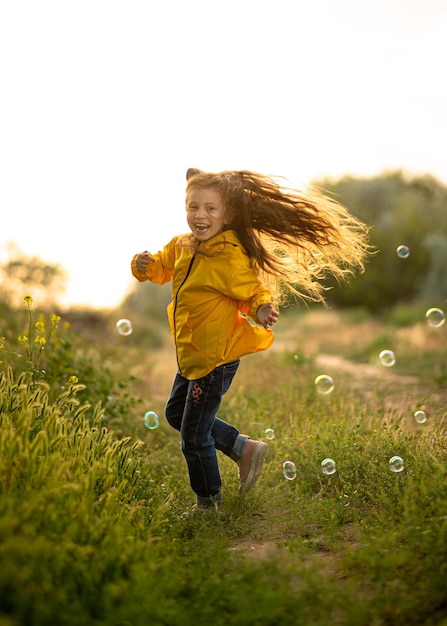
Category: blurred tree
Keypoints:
(149, 300)
(145, 305)
(400, 211)
(22, 275)
(434, 287)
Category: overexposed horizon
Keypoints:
(105, 105)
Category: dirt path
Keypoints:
(363, 371)
(374, 382)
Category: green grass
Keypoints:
(91, 525)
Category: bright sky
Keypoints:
(105, 104)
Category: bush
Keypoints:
(400, 212)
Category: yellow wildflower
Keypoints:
(40, 327)
(73, 380)
(28, 299)
(40, 340)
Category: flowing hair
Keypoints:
(295, 240)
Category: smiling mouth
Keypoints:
(201, 228)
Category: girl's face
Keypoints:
(205, 212)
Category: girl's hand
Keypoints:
(143, 260)
(267, 315)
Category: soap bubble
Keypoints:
(403, 252)
(151, 420)
(387, 358)
(269, 433)
(289, 470)
(324, 384)
(435, 317)
(328, 466)
(420, 417)
(396, 464)
(124, 327)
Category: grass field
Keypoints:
(91, 505)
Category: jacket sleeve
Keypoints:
(161, 270)
(249, 307)
(246, 288)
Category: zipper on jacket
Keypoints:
(175, 306)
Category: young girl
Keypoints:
(251, 240)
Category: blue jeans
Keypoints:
(191, 409)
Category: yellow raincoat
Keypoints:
(213, 290)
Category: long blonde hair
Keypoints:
(295, 240)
